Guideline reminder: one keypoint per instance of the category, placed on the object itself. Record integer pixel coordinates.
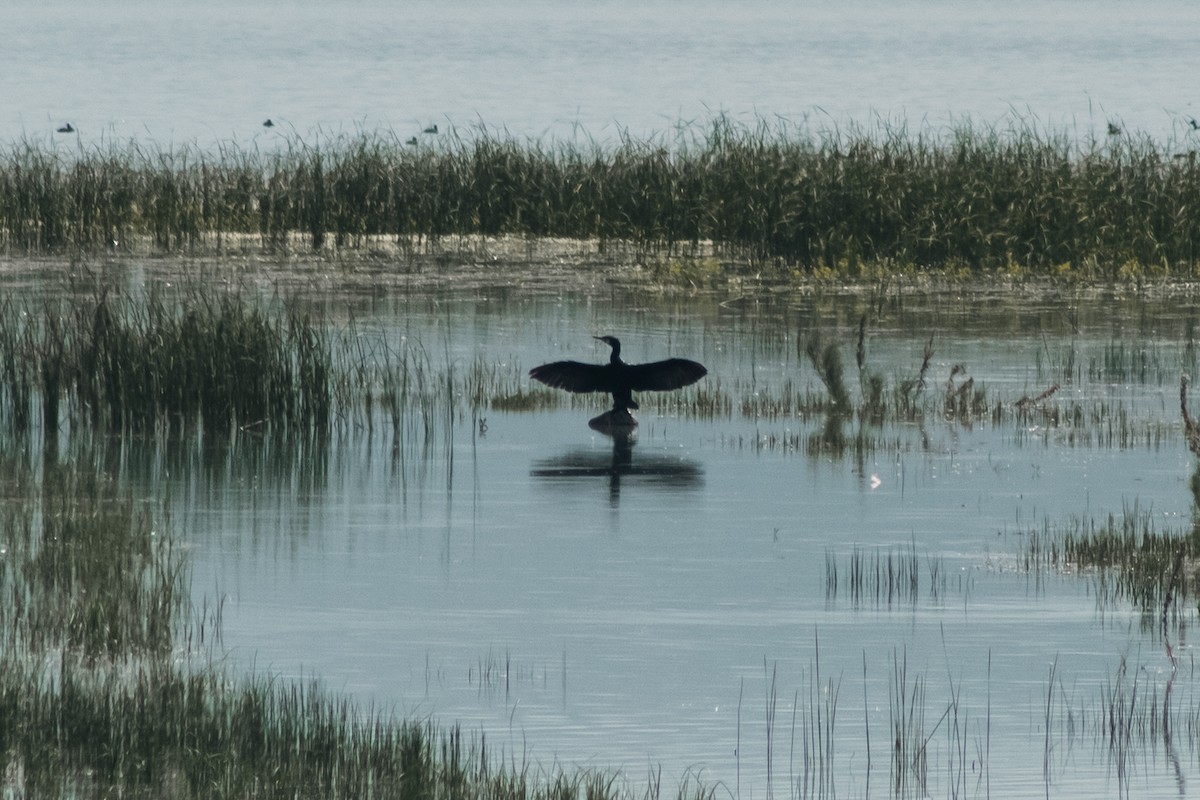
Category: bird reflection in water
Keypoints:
(620, 380)
(658, 470)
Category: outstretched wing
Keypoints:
(662, 376)
(574, 376)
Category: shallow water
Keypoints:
(629, 610)
(212, 72)
(647, 609)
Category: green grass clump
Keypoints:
(124, 363)
(1012, 201)
(1136, 561)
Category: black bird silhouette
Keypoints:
(430, 129)
(68, 128)
(268, 123)
(617, 377)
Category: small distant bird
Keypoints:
(617, 377)
(1114, 129)
(430, 129)
(68, 128)
(1195, 125)
(268, 123)
(412, 142)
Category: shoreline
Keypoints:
(554, 264)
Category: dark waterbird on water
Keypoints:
(68, 128)
(618, 378)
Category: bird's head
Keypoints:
(612, 342)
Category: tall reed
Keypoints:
(140, 363)
(856, 201)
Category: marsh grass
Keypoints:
(225, 363)
(495, 674)
(906, 719)
(233, 363)
(850, 203)
(885, 580)
(1135, 718)
(153, 731)
(143, 364)
(846, 419)
(1132, 557)
(962, 399)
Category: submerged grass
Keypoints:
(83, 570)
(848, 202)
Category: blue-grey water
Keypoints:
(632, 611)
(667, 606)
(180, 72)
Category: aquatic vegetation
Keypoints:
(827, 362)
(857, 204)
(124, 700)
(222, 363)
(138, 703)
(124, 363)
(1131, 557)
(233, 364)
(880, 580)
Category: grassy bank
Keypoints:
(979, 200)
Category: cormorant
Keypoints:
(430, 129)
(68, 128)
(268, 123)
(617, 377)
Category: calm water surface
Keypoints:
(634, 610)
(646, 609)
(185, 71)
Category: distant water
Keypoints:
(211, 72)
